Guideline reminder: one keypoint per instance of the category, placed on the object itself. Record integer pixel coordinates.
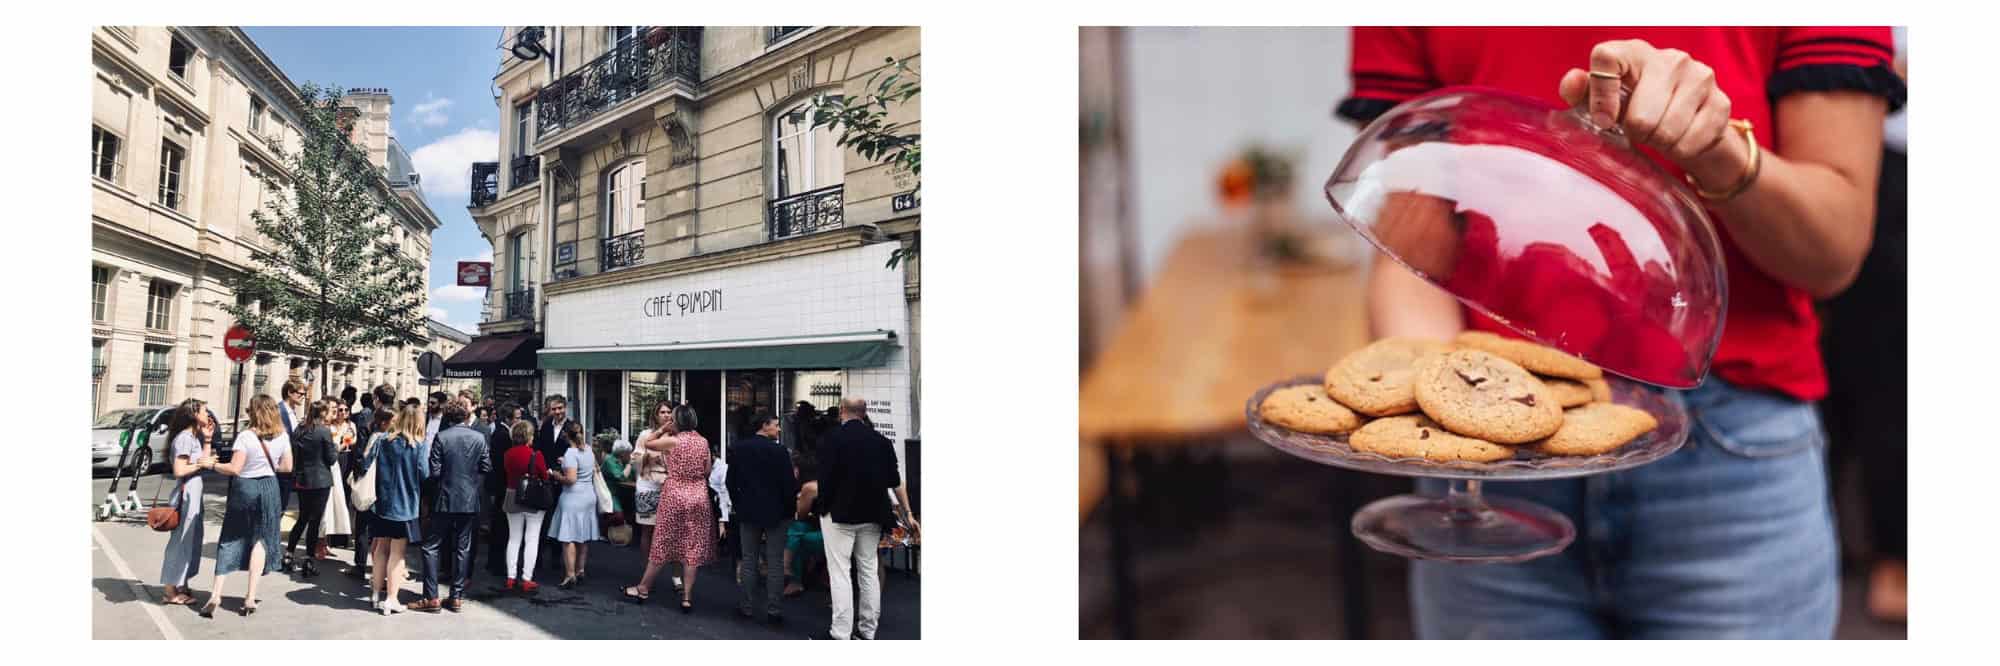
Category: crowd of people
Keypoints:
(387, 473)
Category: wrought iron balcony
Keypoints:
(520, 304)
(777, 32)
(526, 169)
(485, 182)
(97, 370)
(657, 57)
(154, 375)
(807, 212)
(623, 250)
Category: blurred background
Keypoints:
(1210, 265)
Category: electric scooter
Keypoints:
(112, 507)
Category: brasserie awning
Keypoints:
(494, 356)
(847, 350)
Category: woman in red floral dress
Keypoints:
(683, 528)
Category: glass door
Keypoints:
(749, 392)
(606, 396)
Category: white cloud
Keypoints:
(431, 113)
(452, 293)
(446, 164)
(439, 314)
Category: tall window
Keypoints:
(107, 160)
(178, 56)
(807, 159)
(160, 305)
(625, 199)
(523, 113)
(616, 36)
(153, 375)
(517, 262)
(173, 160)
(256, 113)
(96, 372)
(100, 291)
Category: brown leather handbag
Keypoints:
(166, 518)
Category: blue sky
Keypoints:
(441, 80)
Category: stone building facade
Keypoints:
(185, 122)
(665, 224)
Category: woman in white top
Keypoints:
(250, 518)
(187, 430)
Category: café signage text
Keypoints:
(684, 303)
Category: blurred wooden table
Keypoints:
(1212, 329)
(1218, 322)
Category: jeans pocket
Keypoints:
(1756, 424)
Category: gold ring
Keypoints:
(1605, 75)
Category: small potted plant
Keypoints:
(1258, 182)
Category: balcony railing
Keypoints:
(772, 34)
(97, 370)
(485, 182)
(520, 304)
(804, 213)
(154, 375)
(526, 169)
(623, 250)
(634, 66)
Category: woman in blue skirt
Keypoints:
(250, 518)
(574, 522)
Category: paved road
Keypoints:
(125, 568)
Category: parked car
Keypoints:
(105, 431)
(104, 434)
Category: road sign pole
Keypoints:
(237, 418)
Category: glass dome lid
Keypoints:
(1544, 223)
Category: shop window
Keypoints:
(648, 388)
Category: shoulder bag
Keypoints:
(535, 494)
(166, 518)
(363, 479)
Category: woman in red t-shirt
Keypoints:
(1732, 536)
(524, 526)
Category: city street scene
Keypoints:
(391, 338)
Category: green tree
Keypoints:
(327, 280)
(864, 125)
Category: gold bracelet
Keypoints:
(1749, 176)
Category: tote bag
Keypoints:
(364, 480)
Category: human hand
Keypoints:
(722, 530)
(1674, 107)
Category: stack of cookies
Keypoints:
(1478, 399)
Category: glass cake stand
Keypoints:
(1466, 525)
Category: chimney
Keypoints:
(371, 122)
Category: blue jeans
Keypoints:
(1730, 537)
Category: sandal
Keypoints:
(567, 583)
(635, 598)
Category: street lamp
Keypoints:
(528, 43)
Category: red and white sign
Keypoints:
(237, 344)
(475, 273)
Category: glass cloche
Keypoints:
(1538, 219)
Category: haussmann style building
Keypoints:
(185, 123)
(666, 225)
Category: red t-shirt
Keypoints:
(522, 460)
(1770, 338)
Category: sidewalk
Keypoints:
(335, 606)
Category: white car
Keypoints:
(104, 434)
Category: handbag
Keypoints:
(363, 480)
(618, 534)
(535, 494)
(604, 502)
(166, 518)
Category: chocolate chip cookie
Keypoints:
(1477, 394)
(1375, 380)
(1417, 436)
(1597, 428)
(1541, 360)
(1307, 408)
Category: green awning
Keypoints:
(866, 350)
